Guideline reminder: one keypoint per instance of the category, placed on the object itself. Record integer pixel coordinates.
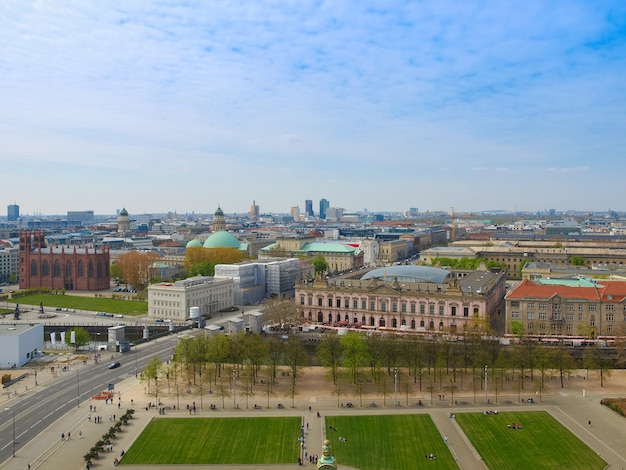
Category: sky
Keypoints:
(182, 106)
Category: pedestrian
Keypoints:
(80, 434)
(445, 439)
(62, 436)
(68, 435)
(589, 422)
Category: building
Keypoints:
(20, 343)
(123, 221)
(324, 205)
(13, 212)
(405, 298)
(340, 257)
(219, 221)
(173, 301)
(61, 267)
(84, 217)
(253, 213)
(308, 208)
(9, 263)
(294, 212)
(254, 281)
(567, 307)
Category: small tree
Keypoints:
(81, 338)
(320, 265)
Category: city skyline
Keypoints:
(161, 106)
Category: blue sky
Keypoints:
(180, 106)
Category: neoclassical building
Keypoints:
(405, 298)
(61, 267)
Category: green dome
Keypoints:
(222, 239)
(124, 212)
(194, 244)
(219, 211)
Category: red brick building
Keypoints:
(61, 267)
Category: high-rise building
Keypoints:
(253, 214)
(295, 213)
(13, 212)
(324, 205)
(308, 208)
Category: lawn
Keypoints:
(388, 442)
(217, 441)
(95, 304)
(544, 444)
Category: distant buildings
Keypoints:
(324, 205)
(19, 343)
(13, 212)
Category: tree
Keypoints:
(597, 358)
(578, 261)
(281, 311)
(329, 352)
(355, 353)
(202, 261)
(296, 358)
(320, 265)
(81, 338)
(562, 361)
(151, 372)
(134, 267)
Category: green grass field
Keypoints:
(545, 444)
(388, 442)
(217, 441)
(126, 307)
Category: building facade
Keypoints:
(61, 267)
(9, 263)
(405, 298)
(173, 301)
(567, 307)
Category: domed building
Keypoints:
(123, 221)
(219, 221)
(194, 244)
(222, 239)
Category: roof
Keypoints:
(194, 244)
(535, 290)
(329, 248)
(222, 239)
(409, 273)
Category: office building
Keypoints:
(13, 212)
(324, 205)
(308, 208)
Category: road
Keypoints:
(27, 417)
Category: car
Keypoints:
(114, 365)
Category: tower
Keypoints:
(308, 208)
(219, 221)
(324, 204)
(13, 212)
(123, 221)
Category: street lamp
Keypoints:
(234, 388)
(395, 384)
(486, 399)
(13, 413)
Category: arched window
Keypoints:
(394, 323)
(330, 318)
(440, 326)
(381, 322)
(403, 322)
(68, 269)
(320, 317)
(347, 318)
(431, 325)
(90, 269)
(412, 324)
(57, 268)
(81, 268)
(310, 315)
(45, 268)
(339, 317)
(33, 268)
(99, 269)
(421, 323)
(372, 323)
(363, 319)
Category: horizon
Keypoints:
(438, 104)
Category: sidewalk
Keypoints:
(48, 452)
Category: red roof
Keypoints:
(606, 291)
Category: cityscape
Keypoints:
(344, 235)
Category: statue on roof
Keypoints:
(326, 461)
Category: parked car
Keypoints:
(114, 365)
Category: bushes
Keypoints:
(109, 436)
(616, 404)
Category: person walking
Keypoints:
(445, 440)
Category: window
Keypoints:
(45, 268)
(421, 323)
(33, 268)
(338, 303)
(569, 317)
(453, 311)
(81, 268)
(580, 307)
(330, 302)
(310, 300)
(68, 269)
(412, 308)
(431, 309)
(301, 300)
(529, 326)
(514, 304)
(543, 316)
(441, 309)
(372, 305)
(403, 308)
(465, 311)
(475, 311)
(609, 328)
(610, 308)
(363, 304)
(580, 317)
(610, 316)
(530, 306)
(543, 306)
(515, 315)
(592, 307)
(569, 307)
(422, 308)
(440, 326)
(394, 307)
(570, 328)
(530, 315)
(383, 306)
(394, 323)
(592, 320)
(355, 304)
(346, 303)
(319, 301)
